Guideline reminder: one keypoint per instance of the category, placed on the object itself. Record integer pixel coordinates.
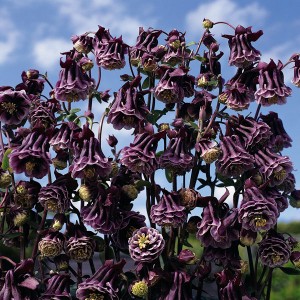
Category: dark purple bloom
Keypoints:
(296, 78)
(253, 133)
(279, 138)
(73, 83)
(31, 82)
(280, 199)
(274, 251)
(109, 52)
(129, 107)
(169, 88)
(64, 137)
(273, 167)
(82, 43)
(272, 89)
(20, 283)
(208, 149)
(131, 221)
(295, 258)
(235, 160)
(189, 198)
(177, 157)
(26, 193)
(140, 155)
(146, 244)
(242, 53)
(89, 160)
(257, 212)
(51, 244)
(168, 211)
(14, 106)
(218, 230)
(187, 256)
(104, 284)
(58, 288)
(102, 214)
(146, 41)
(32, 156)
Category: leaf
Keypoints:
(74, 111)
(200, 58)
(5, 161)
(290, 271)
(191, 44)
(146, 83)
(169, 175)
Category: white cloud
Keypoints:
(47, 51)
(8, 36)
(226, 11)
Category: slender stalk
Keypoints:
(268, 295)
(79, 273)
(8, 259)
(257, 111)
(22, 243)
(225, 24)
(101, 127)
(249, 252)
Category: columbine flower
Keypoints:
(26, 193)
(14, 106)
(279, 138)
(20, 283)
(79, 246)
(177, 156)
(295, 258)
(73, 83)
(146, 244)
(51, 244)
(273, 167)
(235, 160)
(140, 155)
(109, 51)
(129, 107)
(168, 212)
(32, 157)
(189, 198)
(257, 212)
(242, 53)
(82, 43)
(103, 284)
(58, 288)
(218, 229)
(31, 83)
(274, 251)
(131, 221)
(89, 160)
(272, 89)
(208, 149)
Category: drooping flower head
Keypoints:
(146, 244)
(129, 107)
(14, 106)
(169, 212)
(32, 156)
(31, 82)
(73, 83)
(272, 89)
(242, 53)
(109, 52)
(51, 244)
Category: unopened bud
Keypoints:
(207, 24)
(130, 191)
(211, 155)
(21, 218)
(5, 180)
(140, 289)
(247, 237)
(84, 193)
(295, 258)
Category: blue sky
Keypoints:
(34, 32)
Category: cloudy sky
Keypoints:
(34, 32)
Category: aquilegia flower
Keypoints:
(58, 288)
(51, 244)
(242, 53)
(146, 244)
(104, 284)
(14, 106)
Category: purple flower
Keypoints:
(280, 199)
(109, 51)
(140, 155)
(169, 212)
(208, 149)
(235, 160)
(20, 283)
(31, 82)
(274, 251)
(272, 89)
(296, 78)
(64, 137)
(218, 229)
(82, 43)
(32, 156)
(169, 88)
(131, 221)
(129, 107)
(14, 106)
(26, 193)
(58, 288)
(89, 160)
(273, 167)
(279, 138)
(242, 53)
(102, 214)
(146, 244)
(257, 212)
(103, 284)
(73, 83)
(177, 157)
(51, 244)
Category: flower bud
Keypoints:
(114, 169)
(207, 24)
(62, 262)
(20, 218)
(58, 221)
(163, 126)
(130, 191)
(295, 258)
(295, 200)
(140, 289)
(191, 225)
(211, 155)
(188, 198)
(5, 180)
(112, 141)
(187, 256)
(85, 193)
(32, 74)
(247, 237)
